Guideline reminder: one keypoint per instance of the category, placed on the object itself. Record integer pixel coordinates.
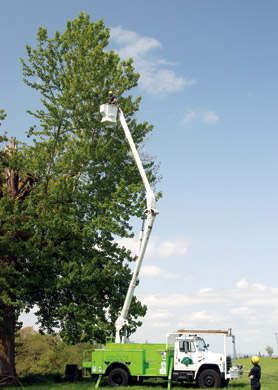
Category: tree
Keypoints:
(75, 188)
(269, 350)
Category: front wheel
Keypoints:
(209, 379)
(118, 377)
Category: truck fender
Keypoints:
(207, 367)
(114, 365)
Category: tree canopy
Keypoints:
(68, 195)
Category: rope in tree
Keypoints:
(10, 379)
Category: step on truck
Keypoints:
(184, 358)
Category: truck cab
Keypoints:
(193, 361)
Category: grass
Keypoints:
(269, 381)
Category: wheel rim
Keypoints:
(117, 378)
(209, 381)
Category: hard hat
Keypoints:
(110, 92)
(255, 359)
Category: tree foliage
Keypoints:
(269, 350)
(75, 190)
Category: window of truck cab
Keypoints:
(201, 345)
(187, 346)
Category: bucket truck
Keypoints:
(185, 355)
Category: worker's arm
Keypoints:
(113, 100)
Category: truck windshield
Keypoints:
(201, 345)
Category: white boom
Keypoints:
(109, 114)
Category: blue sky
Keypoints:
(209, 85)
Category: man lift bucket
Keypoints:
(109, 113)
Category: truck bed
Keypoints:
(141, 359)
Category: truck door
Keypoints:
(186, 356)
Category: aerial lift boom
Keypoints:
(109, 113)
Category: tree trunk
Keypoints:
(7, 312)
(11, 175)
(7, 361)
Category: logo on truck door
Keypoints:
(186, 360)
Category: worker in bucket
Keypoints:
(255, 374)
(113, 99)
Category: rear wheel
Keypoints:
(118, 377)
(209, 379)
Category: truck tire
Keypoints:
(209, 379)
(118, 377)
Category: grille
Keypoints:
(229, 363)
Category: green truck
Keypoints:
(184, 357)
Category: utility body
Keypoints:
(185, 355)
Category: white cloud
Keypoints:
(204, 316)
(250, 309)
(177, 246)
(242, 284)
(199, 115)
(158, 248)
(231, 298)
(189, 115)
(210, 117)
(131, 44)
(157, 77)
(160, 314)
(242, 311)
(152, 271)
(162, 81)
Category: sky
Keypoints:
(209, 86)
